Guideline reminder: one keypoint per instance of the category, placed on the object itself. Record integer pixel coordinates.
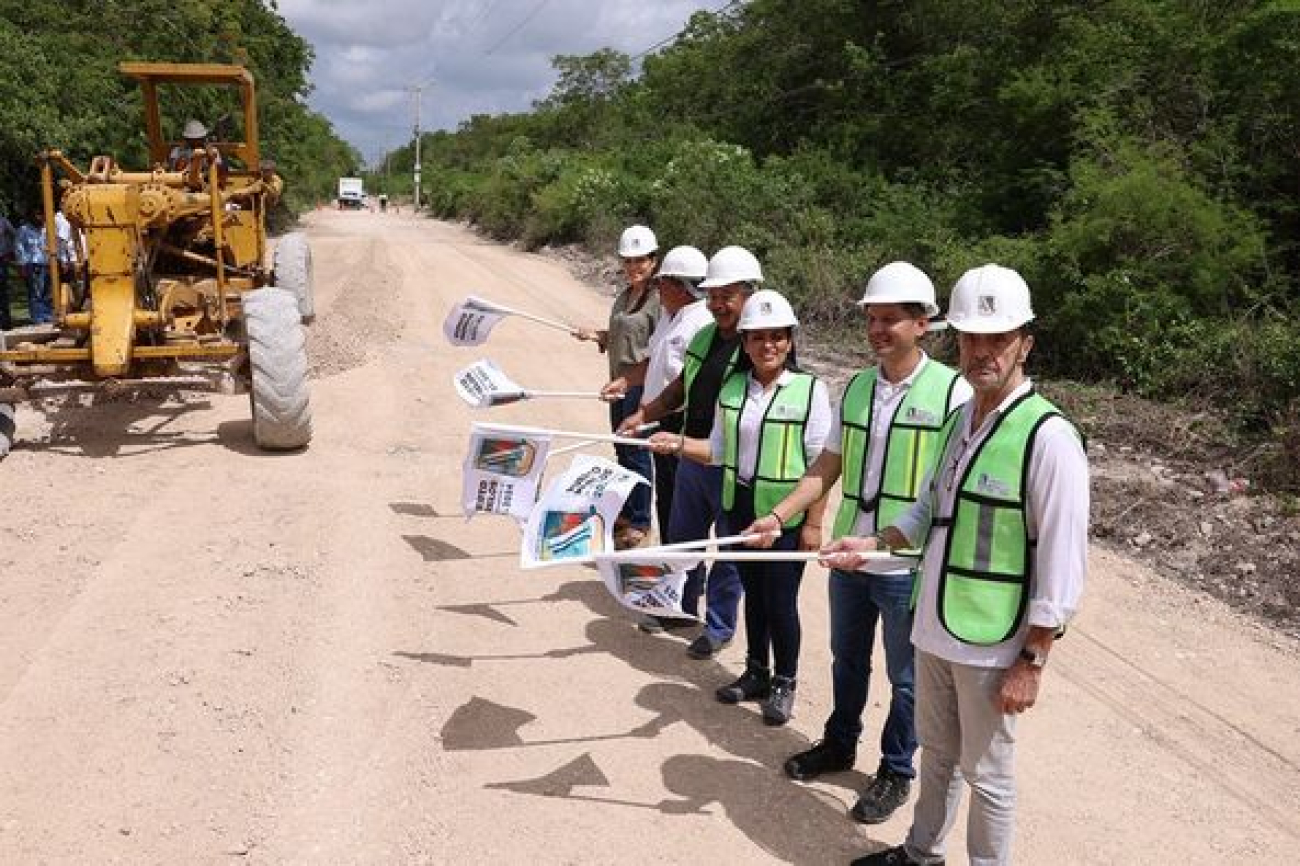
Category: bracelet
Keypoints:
(779, 518)
(681, 443)
(813, 525)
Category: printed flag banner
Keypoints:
(502, 473)
(645, 585)
(482, 383)
(575, 517)
(470, 322)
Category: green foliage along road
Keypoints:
(1137, 160)
(58, 62)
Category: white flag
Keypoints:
(483, 384)
(575, 517)
(470, 322)
(502, 472)
(644, 584)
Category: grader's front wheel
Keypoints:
(293, 273)
(277, 354)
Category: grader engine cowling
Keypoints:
(171, 288)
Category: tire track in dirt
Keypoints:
(1217, 749)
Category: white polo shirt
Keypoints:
(1057, 513)
(668, 344)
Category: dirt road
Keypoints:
(212, 655)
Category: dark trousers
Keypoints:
(666, 479)
(6, 316)
(696, 509)
(636, 511)
(772, 625)
(859, 603)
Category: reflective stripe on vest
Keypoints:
(781, 456)
(911, 446)
(988, 557)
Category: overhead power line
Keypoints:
(520, 26)
(667, 39)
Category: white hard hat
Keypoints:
(194, 129)
(766, 309)
(637, 241)
(900, 283)
(732, 265)
(989, 299)
(687, 263)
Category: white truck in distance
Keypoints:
(352, 193)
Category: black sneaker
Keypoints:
(754, 684)
(706, 646)
(823, 757)
(881, 798)
(779, 706)
(892, 857)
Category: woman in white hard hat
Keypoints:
(626, 341)
(771, 423)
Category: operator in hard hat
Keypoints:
(771, 424)
(881, 446)
(733, 274)
(193, 153)
(626, 342)
(1003, 522)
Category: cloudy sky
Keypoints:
(469, 56)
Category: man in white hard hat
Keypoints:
(882, 444)
(1003, 523)
(732, 276)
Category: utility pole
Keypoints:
(418, 91)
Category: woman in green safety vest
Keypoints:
(771, 423)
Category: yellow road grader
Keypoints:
(171, 287)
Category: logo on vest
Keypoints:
(993, 486)
(784, 412)
(921, 415)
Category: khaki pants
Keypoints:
(964, 738)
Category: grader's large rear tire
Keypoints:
(277, 355)
(293, 273)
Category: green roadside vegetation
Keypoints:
(1136, 160)
(58, 62)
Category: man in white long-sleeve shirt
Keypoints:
(1004, 527)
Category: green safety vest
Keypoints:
(988, 557)
(781, 457)
(910, 447)
(696, 351)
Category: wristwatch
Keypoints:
(1033, 658)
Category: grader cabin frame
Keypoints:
(171, 288)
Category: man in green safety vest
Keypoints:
(881, 445)
(1003, 523)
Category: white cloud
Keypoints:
(483, 57)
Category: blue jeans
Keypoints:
(697, 505)
(40, 307)
(859, 601)
(636, 511)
